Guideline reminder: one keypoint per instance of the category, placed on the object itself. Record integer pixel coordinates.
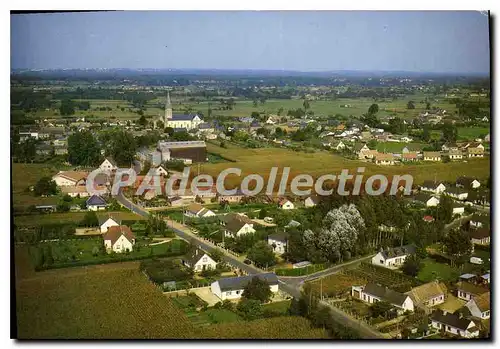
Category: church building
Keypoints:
(176, 121)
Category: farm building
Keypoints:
(393, 257)
(454, 324)
(198, 211)
(232, 288)
(119, 239)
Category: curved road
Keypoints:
(290, 285)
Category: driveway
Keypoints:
(207, 295)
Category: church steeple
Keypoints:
(168, 108)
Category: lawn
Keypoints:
(116, 301)
(69, 217)
(278, 307)
(432, 270)
(471, 133)
(26, 175)
(396, 147)
(313, 268)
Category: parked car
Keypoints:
(247, 261)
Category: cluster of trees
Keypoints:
(119, 144)
(83, 149)
(24, 151)
(45, 187)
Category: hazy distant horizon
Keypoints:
(424, 42)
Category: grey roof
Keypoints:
(183, 117)
(465, 181)
(282, 236)
(422, 197)
(103, 218)
(456, 190)
(239, 283)
(398, 251)
(205, 126)
(385, 294)
(95, 200)
(450, 319)
(194, 256)
(292, 224)
(430, 184)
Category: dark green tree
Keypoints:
(83, 149)
(412, 265)
(67, 107)
(250, 309)
(45, 186)
(257, 289)
(410, 105)
(450, 133)
(262, 254)
(373, 109)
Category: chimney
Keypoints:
(460, 315)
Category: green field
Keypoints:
(471, 133)
(261, 161)
(432, 270)
(69, 217)
(397, 147)
(26, 175)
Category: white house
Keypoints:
(432, 156)
(371, 293)
(160, 171)
(119, 239)
(232, 288)
(428, 200)
(278, 242)
(236, 228)
(467, 290)
(108, 165)
(393, 257)
(454, 324)
(457, 193)
(428, 295)
(96, 203)
(480, 236)
(285, 204)
(311, 201)
(70, 178)
(458, 209)
(433, 186)
(467, 182)
(107, 222)
(480, 306)
(74, 191)
(199, 261)
(198, 211)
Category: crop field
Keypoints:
(471, 133)
(397, 147)
(261, 160)
(69, 217)
(25, 175)
(117, 301)
(336, 285)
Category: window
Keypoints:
(237, 292)
(205, 259)
(228, 293)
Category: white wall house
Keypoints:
(480, 306)
(119, 239)
(278, 242)
(467, 290)
(198, 211)
(311, 201)
(393, 257)
(434, 187)
(199, 261)
(108, 222)
(286, 204)
(428, 295)
(372, 293)
(108, 165)
(232, 288)
(70, 178)
(454, 324)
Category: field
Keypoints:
(432, 270)
(261, 160)
(336, 285)
(313, 268)
(69, 217)
(471, 133)
(117, 301)
(25, 175)
(396, 147)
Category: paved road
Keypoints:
(286, 284)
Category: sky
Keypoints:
(421, 41)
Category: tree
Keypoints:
(83, 149)
(217, 255)
(445, 209)
(410, 105)
(373, 109)
(67, 107)
(457, 244)
(257, 289)
(250, 309)
(45, 186)
(263, 213)
(170, 131)
(262, 254)
(426, 135)
(381, 308)
(428, 105)
(306, 105)
(120, 145)
(450, 133)
(372, 144)
(90, 219)
(412, 265)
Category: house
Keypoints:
(480, 236)
(454, 324)
(487, 138)
(479, 196)
(433, 186)
(458, 208)
(475, 152)
(311, 201)
(467, 290)
(198, 211)
(432, 156)
(75, 191)
(371, 293)
(119, 238)
(480, 306)
(199, 261)
(107, 221)
(285, 204)
(411, 148)
(278, 242)
(236, 226)
(457, 193)
(160, 171)
(60, 149)
(232, 288)
(96, 203)
(384, 159)
(393, 257)
(236, 197)
(70, 178)
(449, 146)
(426, 199)
(359, 148)
(108, 165)
(479, 220)
(467, 182)
(44, 149)
(428, 295)
(176, 201)
(368, 154)
(409, 156)
(455, 154)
